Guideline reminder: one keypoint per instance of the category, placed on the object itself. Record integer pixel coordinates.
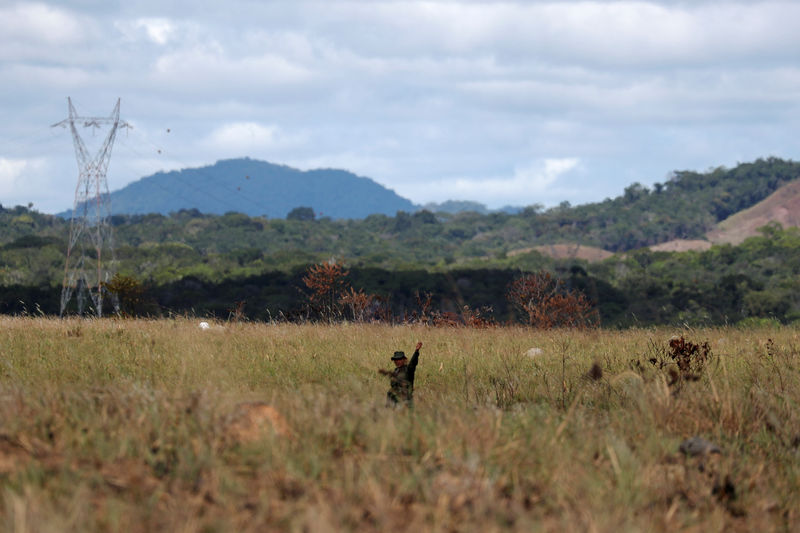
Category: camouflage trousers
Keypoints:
(397, 397)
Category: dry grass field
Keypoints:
(136, 425)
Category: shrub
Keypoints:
(326, 281)
(547, 303)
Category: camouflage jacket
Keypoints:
(402, 381)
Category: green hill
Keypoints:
(257, 188)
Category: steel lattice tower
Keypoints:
(90, 250)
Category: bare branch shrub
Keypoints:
(547, 303)
(325, 281)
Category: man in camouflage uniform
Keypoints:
(402, 378)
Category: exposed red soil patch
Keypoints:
(782, 206)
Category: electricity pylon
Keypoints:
(90, 250)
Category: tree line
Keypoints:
(757, 280)
(191, 262)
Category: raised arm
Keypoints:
(415, 358)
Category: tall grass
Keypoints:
(112, 425)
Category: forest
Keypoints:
(254, 267)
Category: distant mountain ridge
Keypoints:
(676, 214)
(461, 206)
(257, 188)
(260, 188)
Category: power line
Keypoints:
(194, 185)
(41, 137)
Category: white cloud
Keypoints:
(537, 177)
(624, 33)
(410, 93)
(242, 134)
(10, 172)
(157, 30)
(43, 34)
(61, 77)
(38, 22)
(372, 165)
(20, 180)
(208, 68)
(248, 139)
(529, 184)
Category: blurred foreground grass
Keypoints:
(137, 425)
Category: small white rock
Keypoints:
(534, 352)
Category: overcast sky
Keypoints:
(498, 102)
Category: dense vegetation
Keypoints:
(192, 262)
